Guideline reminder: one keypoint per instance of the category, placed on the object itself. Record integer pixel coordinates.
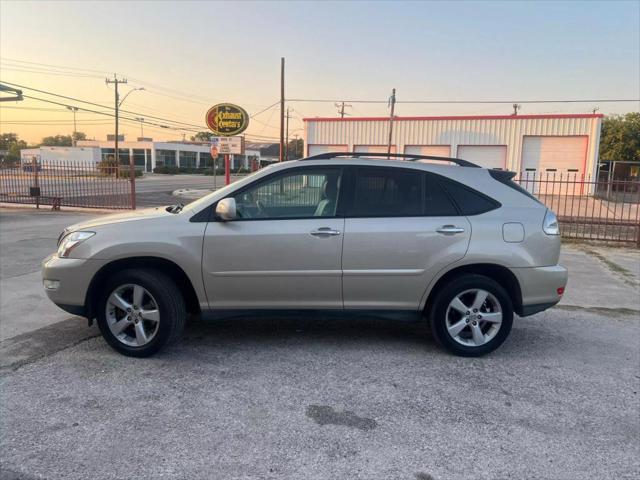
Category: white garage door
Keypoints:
(373, 148)
(487, 156)
(545, 159)
(554, 154)
(318, 149)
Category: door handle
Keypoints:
(450, 229)
(324, 232)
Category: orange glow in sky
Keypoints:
(191, 55)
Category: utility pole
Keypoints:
(286, 151)
(341, 108)
(132, 172)
(74, 110)
(281, 108)
(392, 103)
(516, 107)
(295, 146)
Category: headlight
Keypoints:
(71, 241)
(550, 224)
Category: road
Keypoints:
(151, 190)
(290, 398)
(155, 190)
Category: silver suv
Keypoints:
(459, 246)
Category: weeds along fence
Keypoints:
(592, 209)
(67, 183)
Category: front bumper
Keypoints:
(68, 280)
(539, 287)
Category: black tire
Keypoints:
(437, 314)
(170, 303)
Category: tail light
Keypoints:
(550, 224)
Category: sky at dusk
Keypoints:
(191, 55)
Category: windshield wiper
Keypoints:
(174, 208)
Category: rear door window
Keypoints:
(387, 192)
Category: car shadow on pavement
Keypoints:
(309, 330)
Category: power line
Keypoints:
(59, 74)
(103, 106)
(162, 119)
(33, 108)
(52, 65)
(265, 109)
(325, 100)
(105, 113)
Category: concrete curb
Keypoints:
(191, 193)
(30, 346)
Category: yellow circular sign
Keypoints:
(226, 119)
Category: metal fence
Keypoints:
(591, 209)
(67, 183)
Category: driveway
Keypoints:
(324, 398)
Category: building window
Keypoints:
(138, 158)
(107, 154)
(123, 156)
(165, 158)
(207, 162)
(188, 159)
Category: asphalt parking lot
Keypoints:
(322, 398)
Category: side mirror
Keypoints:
(226, 209)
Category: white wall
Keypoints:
(89, 155)
(506, 130)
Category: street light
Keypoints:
(129, 93)
(74, 110)
(141, 120)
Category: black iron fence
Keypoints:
(67, 183)
(591, 209)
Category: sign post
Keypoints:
(214, 157)
(226, 121)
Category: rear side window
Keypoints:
(436, 202)
(468, 200)
(387, 192)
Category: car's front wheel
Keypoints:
(139, 311)
(471, 316)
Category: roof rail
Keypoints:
(404, 156)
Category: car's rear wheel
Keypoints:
(471, 316)
(140, 311)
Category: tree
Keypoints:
(295, 149)
(202, 137)
(57, 141)
(10, 143)
(79, 136)
(620, 138)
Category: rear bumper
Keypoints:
(539, 287)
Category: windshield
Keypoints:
(197, 204)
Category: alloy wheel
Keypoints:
(474, 317)
(132, 315)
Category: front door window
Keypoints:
(309, 193)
